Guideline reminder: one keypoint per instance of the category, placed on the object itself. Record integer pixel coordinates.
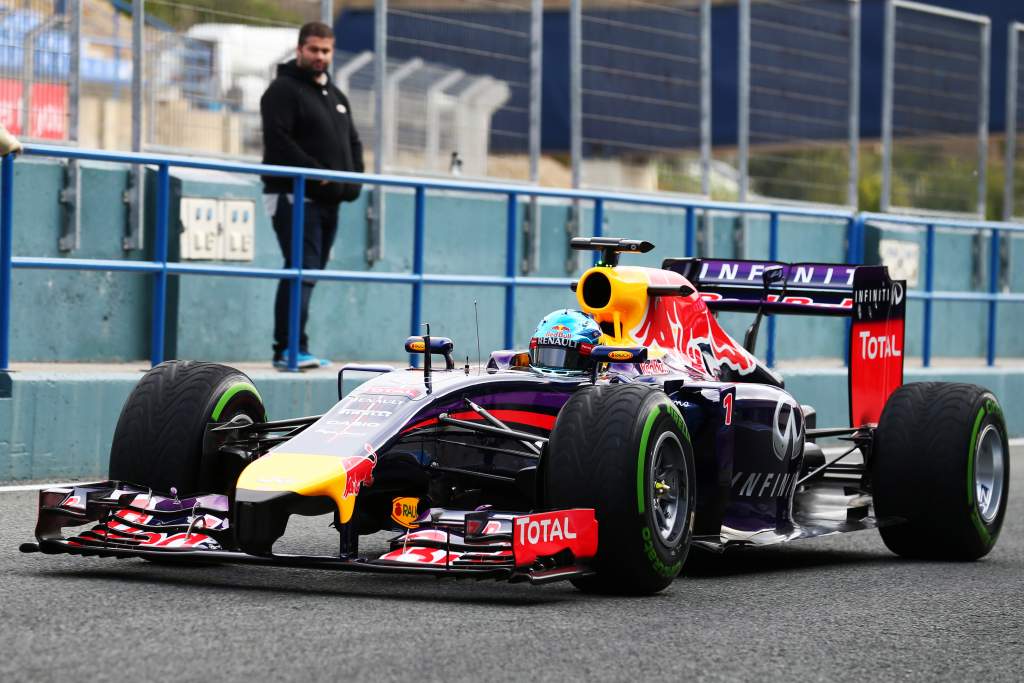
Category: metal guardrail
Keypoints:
(160, 268)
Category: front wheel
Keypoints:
(158, 441)
(941, 469)
(624, 450)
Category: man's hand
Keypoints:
(8, 143)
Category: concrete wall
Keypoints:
(105, 316)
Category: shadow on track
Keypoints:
(752, 561)
(294, 583)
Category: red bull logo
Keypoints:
(677, 325)
(560, 331)
(358, 471)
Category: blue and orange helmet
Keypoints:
(563, 341)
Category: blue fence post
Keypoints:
(929, 283)
(419, 228)
(511, 258)
(773, 255)
(159, 321)
(598, 225)
(854, 254)
(993, 289)
(6, 254)
(295, 291)
(855, 239)
(691, 232)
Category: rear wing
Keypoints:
(875, 303)
(775, 287)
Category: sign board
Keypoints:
(48, 109)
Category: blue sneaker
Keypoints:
(306, 361)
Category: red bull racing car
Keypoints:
(632, 432)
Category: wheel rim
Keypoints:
(668, 488)
(989, 473)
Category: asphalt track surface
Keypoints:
(833, 609)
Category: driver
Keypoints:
(563, 341)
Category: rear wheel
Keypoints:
(158, 441)
(624, 450)
(941, 463)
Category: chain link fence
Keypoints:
(462, 93)
(35, 70)
(1013, 188)
(641, 110)
(458, 94)
(935, 109)
(799, 101)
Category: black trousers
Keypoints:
(320, 225)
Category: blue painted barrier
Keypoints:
(160, 268)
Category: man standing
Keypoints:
(307, 122)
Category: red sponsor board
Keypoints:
(48, 109)
(876, 367)
(549, 533)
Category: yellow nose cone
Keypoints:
(338, 478)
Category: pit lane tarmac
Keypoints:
(838, 608)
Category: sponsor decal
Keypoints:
(405, 510)
(558, 341)
(549, 533)
(620, 355)
(559, 331)
(544, 530)
(797, 274)
(357, 411)
(884, 346)
(656, 562)
(72, 501)
(653, 367)
(763, 484)
(358, 471)
(787, 430)
(417, 346)
(433, 556)
(409, 392)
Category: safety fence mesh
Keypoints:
(641, 95)
(458, 92)
(937, 82)
(799, 112)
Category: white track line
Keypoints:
(38, 487)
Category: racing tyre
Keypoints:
(624, 450)
(158, 441)
(942, 463)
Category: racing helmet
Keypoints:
(563, 341)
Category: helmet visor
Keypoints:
(558, 358)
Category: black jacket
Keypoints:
(309, 125)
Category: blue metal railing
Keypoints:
(160, 268)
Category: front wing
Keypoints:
(125, 521)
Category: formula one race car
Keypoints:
(631, 431)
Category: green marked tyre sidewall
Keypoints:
(229, 394)
(236, 395)
(988, 413)
(665, 561)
